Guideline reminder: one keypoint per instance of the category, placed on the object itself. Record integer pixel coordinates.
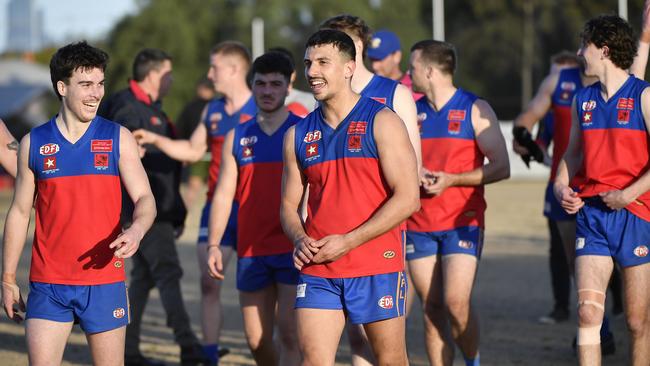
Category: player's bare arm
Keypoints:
(536, 109)
(491, 143)
(405, 109)
(398, 165)
(8, 150)
(294, 186)
(618, 199)
(641, 59)
(188, 151)
(568, 167)
(15, 232)
(136, 183)
(221, 206)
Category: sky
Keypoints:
(89, 19)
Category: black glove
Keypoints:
(525, 139)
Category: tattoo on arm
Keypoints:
(13, 146)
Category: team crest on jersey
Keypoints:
(101, 145)
(247, 152)
(625, 103)
(354, 143)
(454, 127)
(248, 140)
(456, 115)
(312, 151)
(568, 85)
(357, 128)
(589, 105)
(101, 161)
(49, 164)
(386, 302)
(155, 121)
(379, 99)
(421, 118)
(214, 120)
(312, 136)
(587, 119)
(623, 116)
(49, 149)
(641, 251)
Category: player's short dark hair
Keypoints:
(271, 62)
(73, 56)
(336, 38)
(615, 33)
(350, 24)
(441, 54)
(233, 48)
(565, 57)
(147, 60)
(285, 52)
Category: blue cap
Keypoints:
(382, 44)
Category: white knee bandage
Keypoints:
(588, 336)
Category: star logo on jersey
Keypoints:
(454, 127)
(589, 105)
(312, 150)
(565, 95)
(49, 163)
(49, 149)
(379, 99)
(101, 161)
(248, 152)
(354, 143)
(587, 118)
(623, 116)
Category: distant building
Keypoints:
(26, 95)
(24, 26)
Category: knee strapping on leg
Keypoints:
(590, 335)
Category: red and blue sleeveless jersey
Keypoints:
(78, 205)
(259, 186)
(381, 89)
(218, 123)
(614, 141)
(568, 84)
(346, 187)
(449, 145)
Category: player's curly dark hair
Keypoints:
(336, 38)
(615, 33)
(73, 56)
(352, 25)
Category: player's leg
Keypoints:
(139, 288)
(637, 304)
(46, 341)
(107, 347)
(258, 311)
(458, 273)
(426, 275)
(592, 276)
(359, 346)
(388, 340)
(286, 279)
(567, 232)
(560, 277)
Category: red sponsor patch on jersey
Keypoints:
(248, 151)
(586, 118)
(454, 127)
(379, 99)
(625, 103)
(456, 115)
(101, 145)
(354, 142)
(312, 150)
(623, 116)
(386, 302)
(101, 160)
(49, 163)
(358, 128)
(49, 149)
